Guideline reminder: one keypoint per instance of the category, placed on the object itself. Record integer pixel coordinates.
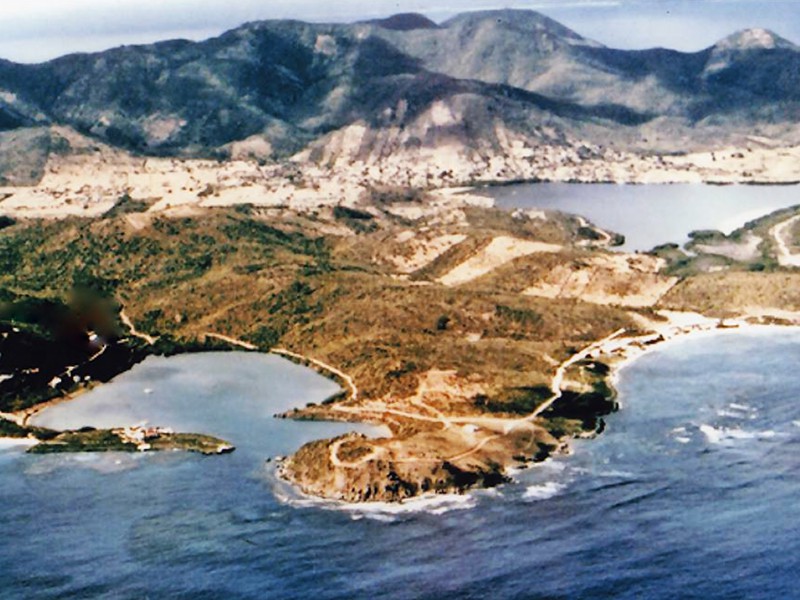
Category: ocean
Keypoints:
(689, 493)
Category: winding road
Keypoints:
(232, 341)
(508, 426)
(555, 387)
(781, 233)
(133, 331)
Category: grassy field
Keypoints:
(731, 293)
(279, 280)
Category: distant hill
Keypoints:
(527, 50)
(274, 88)
(405, 22)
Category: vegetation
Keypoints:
(281, 279)
(127, 205)
(713, 251)
(277, 283)
(515, 401)
(87, 440)
(9, 429)
(726, 294)
(585, 407)
(191, 442)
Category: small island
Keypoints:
(131, 439)
(123, 439)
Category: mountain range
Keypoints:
(271, 89)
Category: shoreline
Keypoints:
(624, 351)
(481, 185)
(328, 371)
(23, 417)
(289, 493)
(617, 351)
(27, 414)
(621, 356)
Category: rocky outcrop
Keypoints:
(381, 479)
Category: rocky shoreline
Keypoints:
(352, 468)
(319, 470)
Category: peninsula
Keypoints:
(344, 229)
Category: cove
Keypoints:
(650, 215)
(690, 492)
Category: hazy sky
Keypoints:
(36, 30)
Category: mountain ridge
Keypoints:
(282, 87)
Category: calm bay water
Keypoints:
(690, 493)
(649, 215)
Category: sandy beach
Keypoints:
(23, 417)
(680, 328)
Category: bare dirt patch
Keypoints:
(613, 279)
(500, 251)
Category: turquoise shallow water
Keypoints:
(691, 492)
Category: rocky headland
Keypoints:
(312, 190)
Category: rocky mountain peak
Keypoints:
(739, 48)
(754, 39)
(277, 87)
(537, 25)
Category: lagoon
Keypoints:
(650, 215)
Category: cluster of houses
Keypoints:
(142, 436)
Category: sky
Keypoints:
(37, 30)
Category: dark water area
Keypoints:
(691, 492)
(650, 215)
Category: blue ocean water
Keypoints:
(690, 493)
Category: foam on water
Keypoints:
(730, 414)
(389, 511)
(719, 435)
(610, 520)
(435, 504)
(543, 491)
(738, 411)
